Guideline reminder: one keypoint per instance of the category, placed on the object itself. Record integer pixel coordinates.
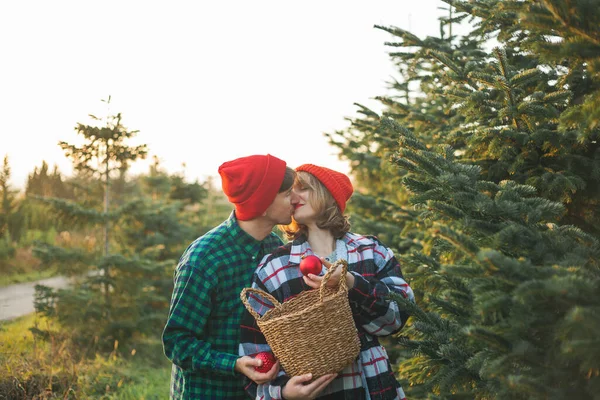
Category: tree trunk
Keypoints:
(106, 227)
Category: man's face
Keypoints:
(282, 208)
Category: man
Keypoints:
(201, 336)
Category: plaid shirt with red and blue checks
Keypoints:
(376, 272)
(201, 336)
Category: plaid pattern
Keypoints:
(201, 336)
(376, 272)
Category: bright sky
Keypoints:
(203, 81)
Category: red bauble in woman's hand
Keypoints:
(268, 360)
(311, 265)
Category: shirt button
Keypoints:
(253, 257)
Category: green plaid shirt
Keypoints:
(202, 333)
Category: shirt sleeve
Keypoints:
(252, 342)
(371, 306)
(191, 305)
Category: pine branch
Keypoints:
(420, 159)
(409, 39)
(447, 61)
(457, 239)
(572, 29)
(490, 338)
(525, 77)
(70, 261)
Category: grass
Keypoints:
(149, 384)
(50, 368)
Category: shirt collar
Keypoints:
(241, 238)
(301, 248)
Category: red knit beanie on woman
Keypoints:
(338, 184)
(252, 183)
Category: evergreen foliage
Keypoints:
(42, 183)
(502, 283)
(482, 172)
(7, 211)
(120, 296)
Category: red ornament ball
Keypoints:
(311, 265)
(268, 360)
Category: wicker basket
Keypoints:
(312, 332)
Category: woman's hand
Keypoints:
(314, 281)
(300, 387)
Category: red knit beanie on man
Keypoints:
(251, 183)
(338, 184)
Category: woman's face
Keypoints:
(304, 213)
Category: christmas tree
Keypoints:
(125, 279)
(483, 172)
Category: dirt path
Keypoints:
(17, 300)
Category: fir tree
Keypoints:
(42, 183)
(491, 197)
(7, 198)
(509, 291)
(8, 216)
(104, 146)
(149, 230)
(108, 314)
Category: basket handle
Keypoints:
(260, 293)
(343, 285)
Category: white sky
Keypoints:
(203, 81)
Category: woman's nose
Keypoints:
(295, 196)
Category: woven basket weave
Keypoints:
(312, 332)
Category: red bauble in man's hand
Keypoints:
(268, 360)
(311, 265)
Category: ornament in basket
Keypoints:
(312, 332)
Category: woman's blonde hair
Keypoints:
(329, 215)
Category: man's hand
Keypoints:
(314, 281)
(299, 388)
(245, 365)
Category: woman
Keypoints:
(320, 228)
